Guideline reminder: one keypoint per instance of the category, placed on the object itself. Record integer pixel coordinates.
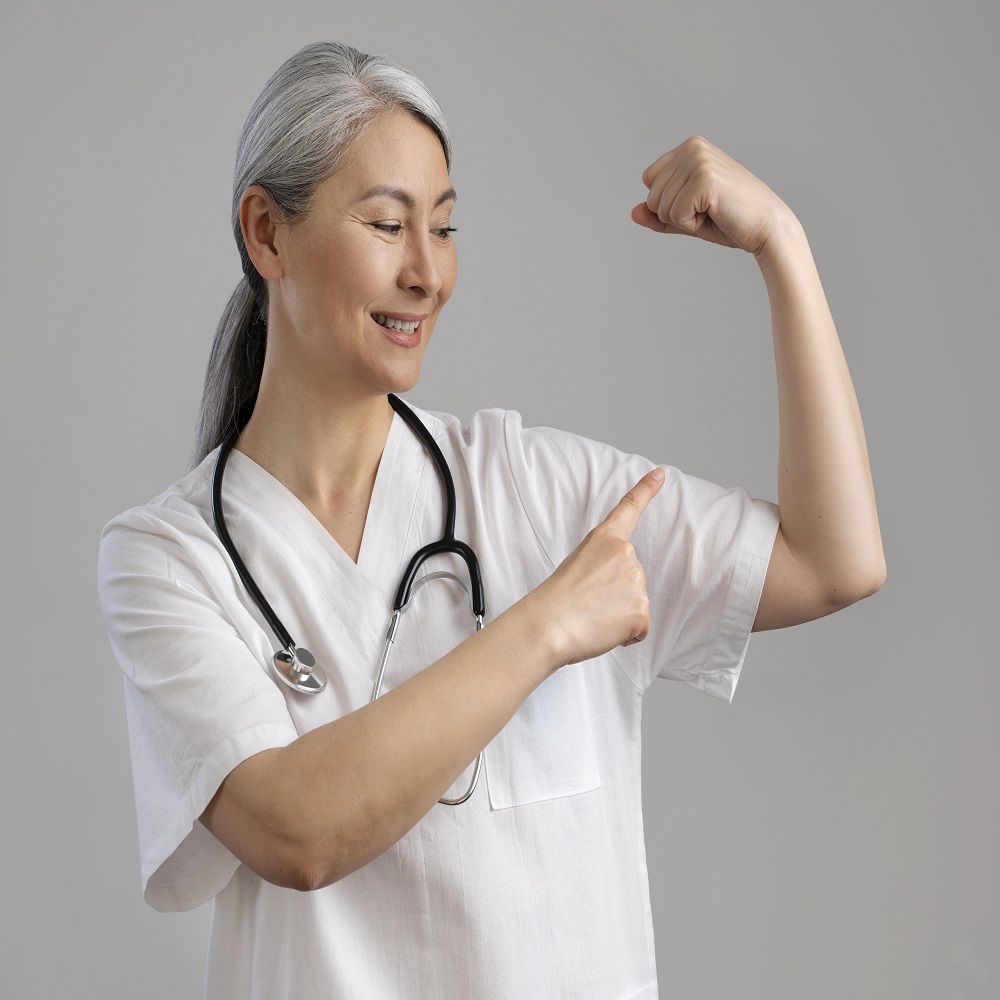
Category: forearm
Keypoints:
(310, 813)
(358, 784)
(825, 492)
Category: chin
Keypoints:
(402, 382)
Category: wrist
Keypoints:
(786, 238)
(542, 634)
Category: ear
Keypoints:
(258, 220)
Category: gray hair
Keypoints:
(296, 135)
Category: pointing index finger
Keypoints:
(626, 513)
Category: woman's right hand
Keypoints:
(596, 599)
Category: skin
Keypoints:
(306, 815)
(828, 549)
(320, 426)
(322, 416)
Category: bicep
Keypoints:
(793, 591)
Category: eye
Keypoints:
(444, 233)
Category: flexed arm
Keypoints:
(828, 550)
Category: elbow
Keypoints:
(314, 861)
(309, 879)
(265, 816)
(876, 582)
(300, 869)
(307, 848)
(290, 837)
(875, 579)
(317, 862)
(860, 588)
(295, 858)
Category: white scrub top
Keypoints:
(536, 887)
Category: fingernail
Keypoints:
(657, 474)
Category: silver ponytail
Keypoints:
(295, 136)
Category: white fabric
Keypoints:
(536, 887)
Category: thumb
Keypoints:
(626, 513)
(644, 217)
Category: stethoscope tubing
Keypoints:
(297, 667)
(266, 610)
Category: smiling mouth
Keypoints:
(405, 337)
(401, 326)
(407, 325)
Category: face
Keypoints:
(358, 255)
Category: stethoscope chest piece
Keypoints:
(297, 668)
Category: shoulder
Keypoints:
(483, 427)
(501, 433)
(558, 477)
(147, 537)
(477, 443)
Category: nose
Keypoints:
(421, 270)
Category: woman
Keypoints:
(598, 574)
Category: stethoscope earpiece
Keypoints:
(297, 668)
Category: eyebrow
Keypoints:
(405, 197)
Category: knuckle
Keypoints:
(601, 531)
(708, 176)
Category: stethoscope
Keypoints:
(294, 664)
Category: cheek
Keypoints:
(343, 258)
(361, 268)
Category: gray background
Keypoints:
(835, 831)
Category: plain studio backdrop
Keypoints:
(832, 833)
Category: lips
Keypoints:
(403, 317)
(406, 326)
(400, 337)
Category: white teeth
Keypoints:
(396, 324)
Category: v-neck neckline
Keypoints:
(374, 526)
(374, 529)
(361, 593)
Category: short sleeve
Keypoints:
(198, 702)
(704, 549)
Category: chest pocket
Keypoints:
(547, 749)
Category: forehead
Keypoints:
(396, 151)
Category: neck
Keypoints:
(325, 447)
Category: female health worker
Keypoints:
(332, 831)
